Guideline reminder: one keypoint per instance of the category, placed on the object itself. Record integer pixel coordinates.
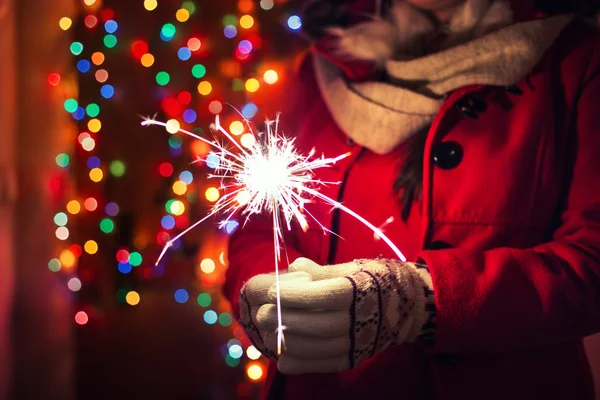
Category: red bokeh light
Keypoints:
(184, 97)
(139, 48)
(165, 169)
(122, 256)
(171, 107)
(107, 14)
(194, 44)
(81, 318)
(90, 21)
(54, 79)
(76, 250)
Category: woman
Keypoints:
(472, 128)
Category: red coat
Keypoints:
(509, 225)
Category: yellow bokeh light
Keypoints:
(90, 247)
(96, 175)
(73, 207)
(147, 60)
(94, 125)
(172, 126)
(252, 85)
(97, 58)
(212, 194)
(182, 15)
(236, 128)
(271, 77)
(207, 266)
(243, 198)
(67, 258)
(89, 2)
(248, 140)
(65, 23)
(150, 4)
(179, 188)
(177, 208)
(200, 148)
(204, 88)
(246, 21)
(132, 298)
(254, 372)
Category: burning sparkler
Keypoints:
(269, 176)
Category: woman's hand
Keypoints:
(337, 316)
(253, 296)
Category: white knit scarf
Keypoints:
(381, 116)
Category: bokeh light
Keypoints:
(207, 266)
(204, 299)
(172, 126)
(107, 225)
(65, 23)
(73, 207)
(74, 284)
(182, 15)
(270, 77)
(252, 85)
(147, 60)
(254, 372)
(210, 317)
(294, 22)
(198, 71)
(81, 318)
(253, 353)
(62, 233)
(96, 175)
(90, 204)
(179, 188)
(246, 21)
(132, 298)
(204, 88)
(212, 194)
(162, 78)
(91, 247)
(150, 4)
(117, 168)
(194, 44)
(236, 128)
(62, 160)
(97, 58)
(181, 296)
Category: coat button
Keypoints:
(439, 245)
(446, 359)
(447, 155)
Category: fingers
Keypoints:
(319, 272)
(324, 324)
(290, 365)
(307, 348)
(329, 294)
(256, 289)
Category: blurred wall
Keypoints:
(42, 339)
(7, 189)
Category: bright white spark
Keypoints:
(270, 176)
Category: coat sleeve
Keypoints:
(504, 298)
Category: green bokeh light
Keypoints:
(198, 71)
(71, 105)
(135, 259)
(204, 299)
(110, 41)
(76, 48)
(117, 168)
(92, 110)
(168, 30)
(54, 265)
(62, 160)
(162, 78)
(107, 225)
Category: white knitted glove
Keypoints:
(253, 295)
(346, 314)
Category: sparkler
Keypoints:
(269, 176)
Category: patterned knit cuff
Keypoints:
(427, 333)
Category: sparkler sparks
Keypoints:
(269, 176)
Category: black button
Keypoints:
(446, 359)
(439, 245)
(514, 89)
(447, 155)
